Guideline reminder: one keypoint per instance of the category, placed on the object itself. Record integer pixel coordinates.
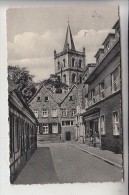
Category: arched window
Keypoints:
(64, 62)
(80, 63)
(73, 62)
(58, 65)
(80, 79)
(64, 78)
(73, 78)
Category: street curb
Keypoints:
(99, 157)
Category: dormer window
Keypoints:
(73, 62)
(98, 59)
(108, 46)
(46, 98)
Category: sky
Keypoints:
(34, 33)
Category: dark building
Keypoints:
(22, 131)
(103, 102)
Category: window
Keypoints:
(54, 113)
(86, 102)
(93, 96)
(46, 98)
(38, 99)
(102, 125)
(45, 128)
(73, 112)
(64, 62)
(116, 128)
(73, 62)
(58, 65)
(115, 78)
(70, 98)
(64, 112)
(108, 46)
(64, 78)
(98, 59)
(45, 113)
(73, 78)
(80, 63)
(54, 128)
(36, 113)
(67, 123)
(102, 94)
(71, 123)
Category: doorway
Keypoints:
(68, 136)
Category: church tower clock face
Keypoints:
(70, 63)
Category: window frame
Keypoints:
(34, 110)
(43, 111)
(64, 63)
(114, 82)
(93, 96)
(80, 63)
(102, 90)
(73, 112)
(46, 100)
(116, 132)
(53, 114)
(56, 128)
(75, 78)
(64, 110)
(73, 62)
(108, 46)
(38, 99)
(103, 131)
(45, 125)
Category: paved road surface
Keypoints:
(62, 163)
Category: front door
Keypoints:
(68, 136)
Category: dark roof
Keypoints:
(69, 39)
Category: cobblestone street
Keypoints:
(63, 163)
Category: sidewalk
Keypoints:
(105, 155)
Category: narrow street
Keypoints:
(63, 163)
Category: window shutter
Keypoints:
(50, 128)
(59, 128)
(40, 128)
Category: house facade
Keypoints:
(103, 102)
(22, 131)
(45, 106)
(55, 113)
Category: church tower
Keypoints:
(69, 64)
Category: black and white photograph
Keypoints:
(65, 94)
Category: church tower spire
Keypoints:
(69, 39)
(69, 63)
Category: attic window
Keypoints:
(71, 98)
(38, 98)
(46, 98)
